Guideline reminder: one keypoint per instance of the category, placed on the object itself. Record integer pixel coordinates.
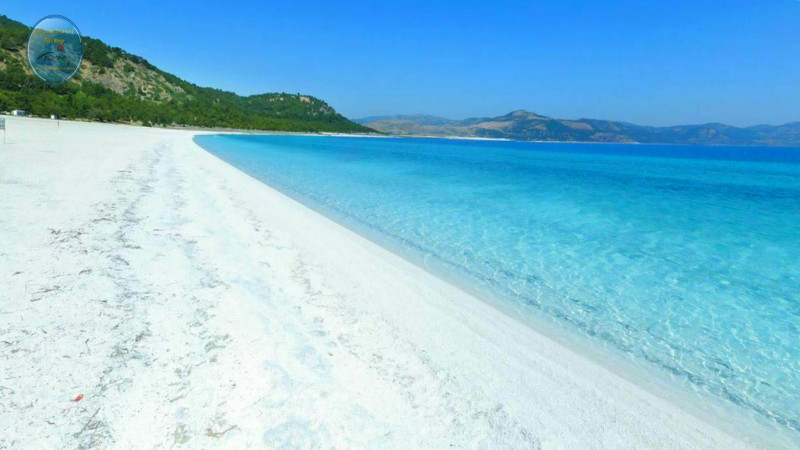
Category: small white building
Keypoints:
(19, 113)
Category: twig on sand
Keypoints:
(87, 423)
(48, 289)
(214, 434)
(44, 291)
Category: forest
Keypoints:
(116, 86)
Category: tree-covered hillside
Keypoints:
(115, 86)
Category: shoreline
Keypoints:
(191, 303)
(201, 130)
(703, 406)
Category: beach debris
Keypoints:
(38, 295)
(85, 271)
(48, 289)
(87, 423)
(181, 435)
(78, 398)
(214, 434)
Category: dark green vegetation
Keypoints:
(115, 86)
(527, 126)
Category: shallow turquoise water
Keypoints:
(686, 259)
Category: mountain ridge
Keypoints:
(528, 126)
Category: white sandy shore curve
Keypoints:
(194, 306)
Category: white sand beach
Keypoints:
(193, 306)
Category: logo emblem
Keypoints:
(55, 50)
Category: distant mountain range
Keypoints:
(527, 126)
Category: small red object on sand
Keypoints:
(78, 398)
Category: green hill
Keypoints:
(116, 86)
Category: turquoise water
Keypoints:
(685, 259)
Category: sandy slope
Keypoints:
(193, 305)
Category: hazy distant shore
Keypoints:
(156, 296)
(526, 126)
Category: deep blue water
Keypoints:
(683, 258)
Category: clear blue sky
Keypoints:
(658, 62)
